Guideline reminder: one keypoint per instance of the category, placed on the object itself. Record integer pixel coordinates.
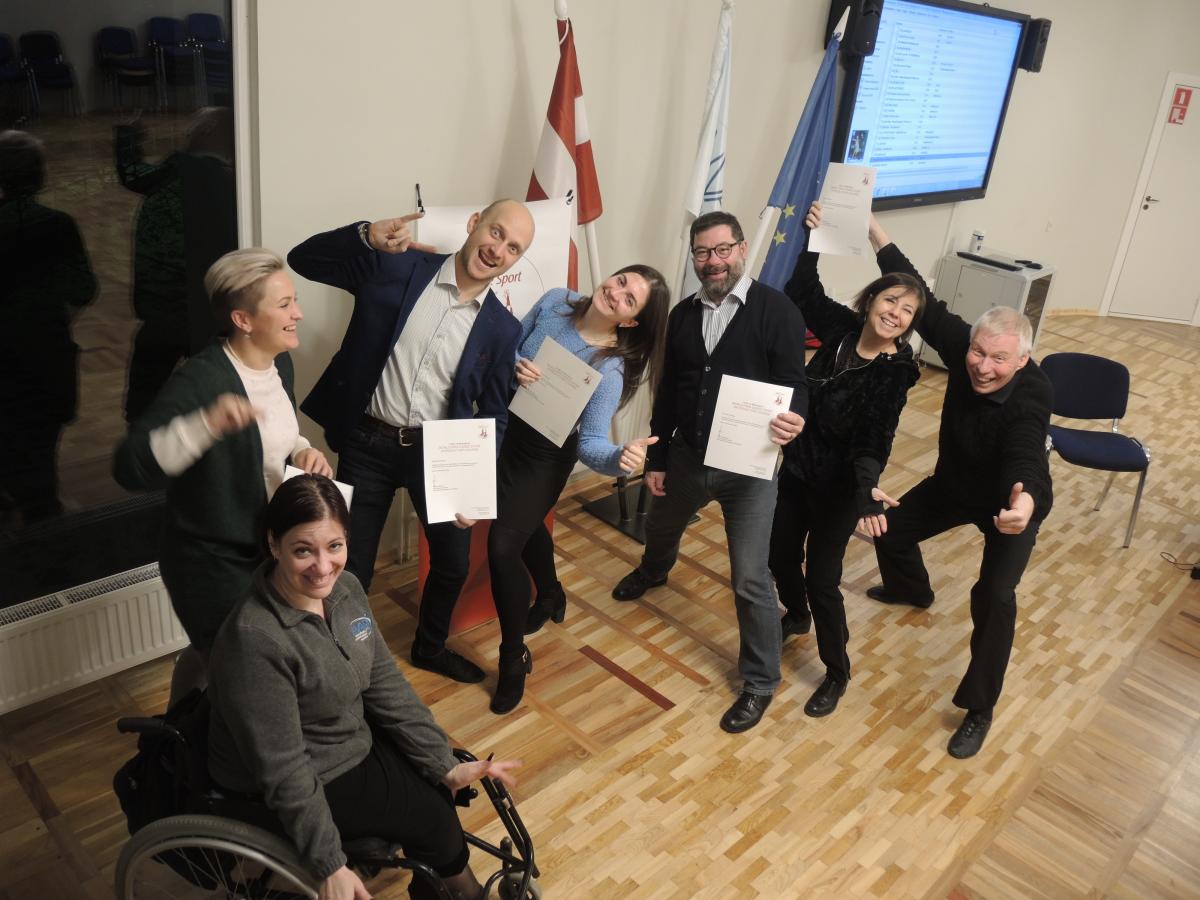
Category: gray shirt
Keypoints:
(291, 696)
(415, 384)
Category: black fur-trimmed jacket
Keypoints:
(852, 416)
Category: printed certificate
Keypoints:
(845, 211)
(740, 440)
(552, 404)
(460, 468)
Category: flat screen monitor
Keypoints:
(926, 109)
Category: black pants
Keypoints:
(384, 797)
(823, 522)
(375, 463)
(926, 511)
(29, 467)
(530, 476)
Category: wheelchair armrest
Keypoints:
(148, 725)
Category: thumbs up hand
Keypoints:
(633, 454)
(1015, 517)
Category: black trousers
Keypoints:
(808, 543)
(377, 466)
(530, 476)
(926, 511)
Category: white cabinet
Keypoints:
(970, 288)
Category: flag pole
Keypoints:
(589, 234)
(766, 219)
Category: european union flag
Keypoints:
(803, 171)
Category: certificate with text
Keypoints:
(460, 468)
(845, 211)
(552, 404)
(740, 439)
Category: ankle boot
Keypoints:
(510, 686)
(552, 606)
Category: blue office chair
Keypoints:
(118, 60)
(176, 60)
(42, 56)
(1092, 387)
(16, 82)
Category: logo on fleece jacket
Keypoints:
(360, 628)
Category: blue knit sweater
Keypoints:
(550, 317)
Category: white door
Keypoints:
(1158, 279)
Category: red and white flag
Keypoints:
(565, 166)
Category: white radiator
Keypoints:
(54, 643)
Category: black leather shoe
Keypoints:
(510, 686)
(448, 663)
(546, 609)
(825, 698)
(745, 713)
(967, 741)
(880, 593)
(634, 585)
(795, 623)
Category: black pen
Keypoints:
(420, 205)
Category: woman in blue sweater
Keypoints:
(618, 331)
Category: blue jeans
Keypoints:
(748, 505)
(377, 466)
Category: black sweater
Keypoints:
(852, 414)
(987, 442)
(763, 342)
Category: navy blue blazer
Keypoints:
(385, 288)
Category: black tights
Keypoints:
(530, 475)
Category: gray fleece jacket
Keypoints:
(291, 696)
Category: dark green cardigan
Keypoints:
(212, 538)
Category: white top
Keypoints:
(416, 380)
(183, 440)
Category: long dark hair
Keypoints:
(639, 349)
(862, 303)
(303, 499)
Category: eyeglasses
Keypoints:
(722, 251)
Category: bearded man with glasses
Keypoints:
(732, 326)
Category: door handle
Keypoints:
(1146, 202)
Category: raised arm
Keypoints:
(947, 333)
(823, 315)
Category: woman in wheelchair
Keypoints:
(310, 712)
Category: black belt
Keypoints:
(405, 436)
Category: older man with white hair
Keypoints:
(991, 472)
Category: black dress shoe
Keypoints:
(795, 623)
(880, 593)
(448, 663)
(967, 741)
(825, 698)
(546, 609)
(510, 686)
(634, 585)
(745, 713)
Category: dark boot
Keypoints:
(510, 686)
(552, 607)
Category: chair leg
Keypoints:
(1137, 499)
(1104, 493)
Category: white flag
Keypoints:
(707, 185)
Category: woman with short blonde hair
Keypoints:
(217, 437)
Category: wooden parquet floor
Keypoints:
(1088, 785)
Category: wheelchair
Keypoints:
(206, 853)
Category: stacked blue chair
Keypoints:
(205, 32)
(14, 78)
(42, 56)
(177, 62)
(118, 60)
(1092, 387)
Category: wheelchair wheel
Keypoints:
(192, 857)
(509, 887)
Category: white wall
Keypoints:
(357, 102)
(78, 21)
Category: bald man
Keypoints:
(427, 340)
